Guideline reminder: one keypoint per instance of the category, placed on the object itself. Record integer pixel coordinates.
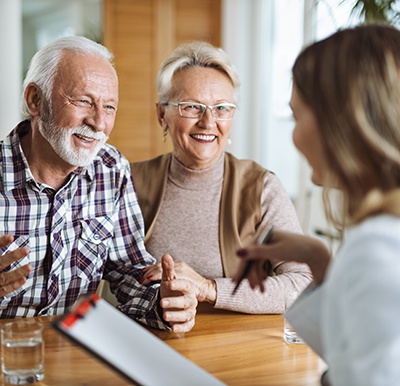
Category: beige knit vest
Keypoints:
(240, 207)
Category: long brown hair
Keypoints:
(351, 81)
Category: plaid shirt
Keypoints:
(90, 229)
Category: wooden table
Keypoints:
(238, 349)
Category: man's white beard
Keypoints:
(60, 140)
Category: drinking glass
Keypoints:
(289, 333)
(22, 352)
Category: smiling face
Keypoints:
(83, 106)
(198, 143)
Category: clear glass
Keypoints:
(289, 333)
(221, 111)
(22, 352)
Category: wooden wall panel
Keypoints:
(141, 33)
(198, 20)
(129, 36)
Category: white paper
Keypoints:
(136, 352)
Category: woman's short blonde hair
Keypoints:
(189, 55)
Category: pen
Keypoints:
(264, 238)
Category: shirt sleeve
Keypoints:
(277, 209)
(127, 256)
(362, 313)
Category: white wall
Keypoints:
(262, 39)
(25, 26)
(47, 20)
(10, 64)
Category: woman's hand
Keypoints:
(205, 288)
(284, 246)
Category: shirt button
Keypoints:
(96, 236)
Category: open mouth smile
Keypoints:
(203, 137)
(84, 138)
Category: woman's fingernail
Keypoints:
(149, 277)
(242, 252)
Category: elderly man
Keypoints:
(69, 214)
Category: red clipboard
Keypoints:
(128, 347)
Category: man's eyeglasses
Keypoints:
(220, 112)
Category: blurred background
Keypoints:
(262, 37)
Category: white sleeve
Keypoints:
(363, 308)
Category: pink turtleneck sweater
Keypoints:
(187, 229)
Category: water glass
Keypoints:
(289, 333)
(22, 352)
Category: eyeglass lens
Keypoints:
(196, 110)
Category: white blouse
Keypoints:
(360, 320)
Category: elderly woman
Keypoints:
(201, 204)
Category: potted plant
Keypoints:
(377, 11)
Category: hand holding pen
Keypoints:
(264, 238)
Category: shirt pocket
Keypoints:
(93, 245)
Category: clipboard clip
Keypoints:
(80, 311)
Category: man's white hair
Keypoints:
(44, 64)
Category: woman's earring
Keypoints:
(229, 141)
(165, 132)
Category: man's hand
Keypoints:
(178, 298)
(206, 289)
(12, 280)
